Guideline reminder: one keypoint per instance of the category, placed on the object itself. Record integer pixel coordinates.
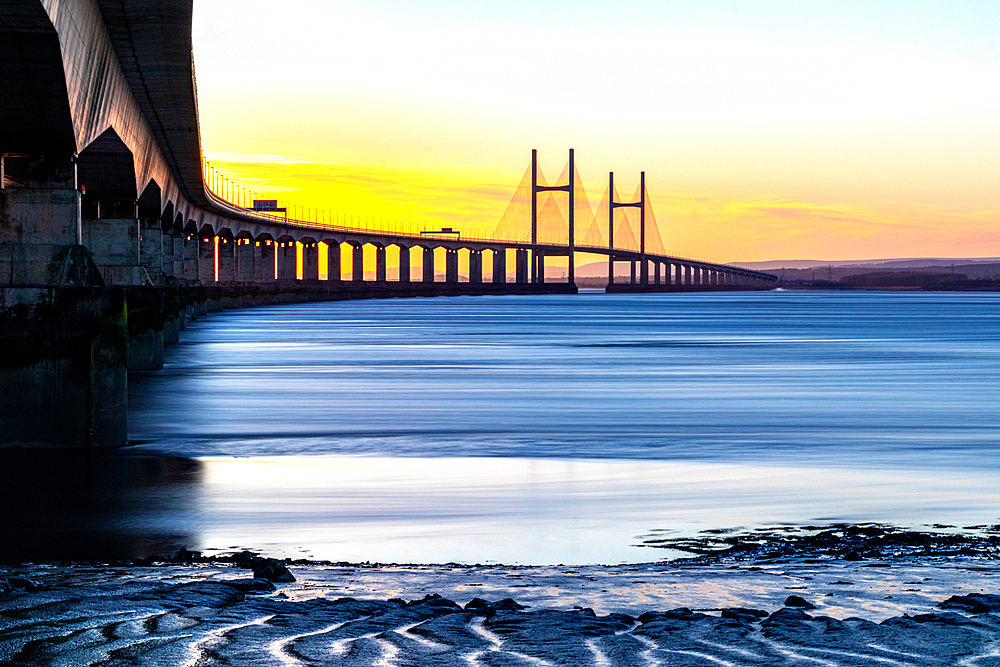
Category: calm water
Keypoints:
(546, 429)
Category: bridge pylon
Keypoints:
(537, 259)
(641, 205)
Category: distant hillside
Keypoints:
(916, 262)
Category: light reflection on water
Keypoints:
(371, 423)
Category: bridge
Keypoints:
(113, 230)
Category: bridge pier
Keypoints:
(499, 267)
(428, 265)
(245, 266)
(451, 266)
(169, 244)
(332, 260)
(310, 260)
(404, 263)
(263, 260)
(287, 260)
(632, 268)
(227, 259)
(643, 271)
(152, 250)
(476, 266)
(206, 259)
(357, 262)
(656, 273)
(380, 263)
(540, 261)
(520, 266)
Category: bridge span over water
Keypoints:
(111, 236)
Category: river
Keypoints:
(535, 429)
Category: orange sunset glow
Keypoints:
(766, 130)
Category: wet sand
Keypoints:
(736, 607)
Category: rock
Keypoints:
(744, 615)
(974, 603)
(254, 586)
(476, 603)
(272, 570)
(245, 559)
(796, 601)
(507, 604)
(26, 584)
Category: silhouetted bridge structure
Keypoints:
(110, 236)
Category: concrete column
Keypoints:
(151, 248)
(146, 325)
(632, 266)
(451, 266)
(263, 261)
(475, 266)
(179, 255)
(227, 260)
(644, 271)
(333, 261)
(428, 265)
(404, 264)
(245, 265)
(191, 257)
(167, 262)
(380, 263)
(499, 266)
(285, 251)
(206, 259)
(541, 267)
(520, 266)
(310, 261)
(656, 273)
(357, 262)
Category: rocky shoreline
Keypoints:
(833, 595)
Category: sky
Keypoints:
(767, 130)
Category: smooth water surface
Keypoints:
(550, 429)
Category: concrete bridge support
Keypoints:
(263, 261)
(227, 259)
(333, 261)
(632, 269)
(357, 262)
(643, 271)
(656, 273)
(451, 266)
(206, 259)
(404, 264)
(178, 269)
(287, 260)
(476, 266)
(499, 267)
(167, 263)
(541, 267)
(521, 266)
(428, 264)
(191, 258)
(310, 260)
(380, 275)
(246, 267)
(152, 250)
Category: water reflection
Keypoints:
(95, 505)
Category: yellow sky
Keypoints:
(767, 130)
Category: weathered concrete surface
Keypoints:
(63, 360)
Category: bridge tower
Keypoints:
(538, 260)
(641, 205)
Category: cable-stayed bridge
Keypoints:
(113, 231)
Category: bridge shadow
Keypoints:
(105, 505)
